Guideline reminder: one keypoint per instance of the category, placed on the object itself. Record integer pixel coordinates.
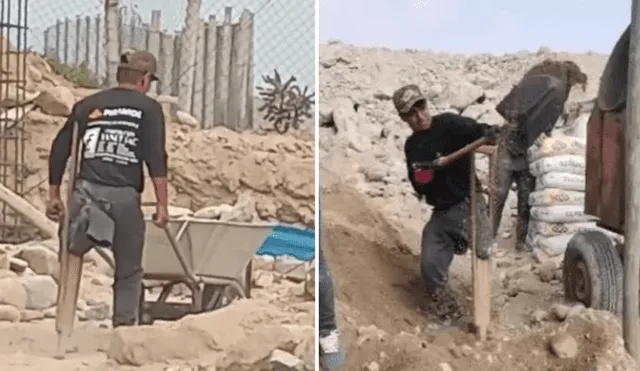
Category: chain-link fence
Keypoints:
(225, 62)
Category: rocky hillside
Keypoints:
(366, 145)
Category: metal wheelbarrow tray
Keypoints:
(212, 258)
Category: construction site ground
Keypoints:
(372, 224)
(220, 174)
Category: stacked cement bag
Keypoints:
(557, 203)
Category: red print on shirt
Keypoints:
(424, 175)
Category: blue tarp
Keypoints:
(291, 241)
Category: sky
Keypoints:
(284, 29)
(471, 26)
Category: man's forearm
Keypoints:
(54, 192)
(160, 188)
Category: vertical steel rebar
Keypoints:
(13, 58)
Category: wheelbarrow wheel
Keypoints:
(592, 272)
(219, 296)
(144, 316)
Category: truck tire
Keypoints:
(592, 272)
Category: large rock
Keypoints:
(244, 333)
(9, 313)
(5, 261)
(13, 293)
(41, 291)
(13, 96)
(41, 260)
(56, 101)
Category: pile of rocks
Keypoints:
(365, 143)
(275, 328)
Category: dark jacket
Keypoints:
(534, 106)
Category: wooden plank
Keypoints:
(153, 44)
(250, 80)
(197, 104)
(166, 60)
(222, 69)
(70, 270)
(210, 73)
(481, 269)
(175, 74)
(78, 33)
(188, 55)
(244, 66)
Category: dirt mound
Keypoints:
(208, 168)
(372, 265)
(378, 291)
(590, 341)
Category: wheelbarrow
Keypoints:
(212, 258)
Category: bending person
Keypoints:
(531, 108)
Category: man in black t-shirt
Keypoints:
(119, 129)
(446, 189)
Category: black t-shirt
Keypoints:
(447, 186)
(120, 129)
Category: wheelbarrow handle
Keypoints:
(174, 245)
(443, 161)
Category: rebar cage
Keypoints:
(13, 81)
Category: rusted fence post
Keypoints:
(631, 319)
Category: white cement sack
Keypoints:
(556, 146)
(546, 229)
(566, 181)
(561, 214)
(578, 128)
(553, 246)
(555, 196)
(572, 164)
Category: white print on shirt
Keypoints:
(122, 111)
(109, 144)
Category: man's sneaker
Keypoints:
(330, 350)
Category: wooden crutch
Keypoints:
(481, 268)
(70, 264)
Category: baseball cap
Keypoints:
(406, 97)
(140, 60)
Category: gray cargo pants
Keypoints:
(447, 234)
(513, 169)
(326, 300)
(122, 206)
